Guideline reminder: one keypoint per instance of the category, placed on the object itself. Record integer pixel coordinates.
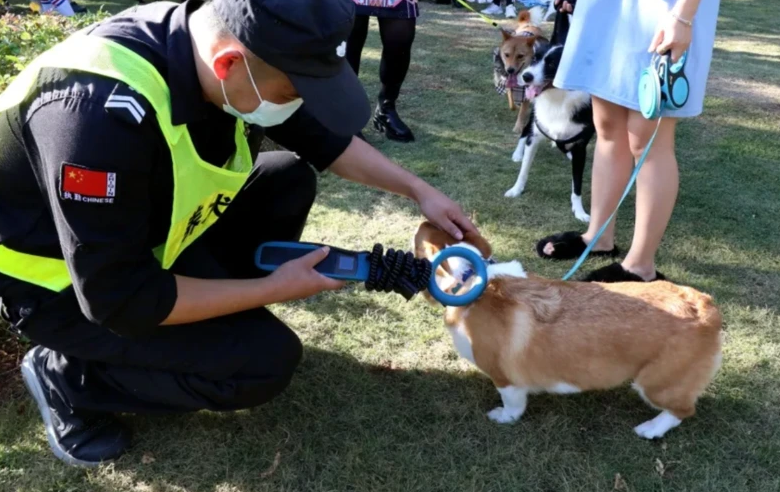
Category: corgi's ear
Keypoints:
(506, 34)
(479, 242)
(430, 250)
(532, 41)
(428, 240)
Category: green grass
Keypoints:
(382, 403)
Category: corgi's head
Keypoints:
(454, 272)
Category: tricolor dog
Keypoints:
(564, 117)
(535, 335)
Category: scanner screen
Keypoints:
(346, 263)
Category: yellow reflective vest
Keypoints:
(201, 190)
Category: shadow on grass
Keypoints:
(742, 64)
(748, 16)
(346, 425)
(346, 303)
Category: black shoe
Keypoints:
(386, 120)
(78, 438)
(78, 9)
(567, 246)
(616, 273)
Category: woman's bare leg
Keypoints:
(656, 191)
(612, 166)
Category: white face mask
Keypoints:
(268, 113)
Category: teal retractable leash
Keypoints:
(662, 85)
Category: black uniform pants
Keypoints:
(233, 362)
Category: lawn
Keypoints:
(381, 401)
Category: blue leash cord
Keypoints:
(631, 181)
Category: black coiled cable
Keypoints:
(398, 272)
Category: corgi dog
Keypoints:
(515, 54)
(535, 335)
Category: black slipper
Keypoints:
(616, 273)
(569, 245)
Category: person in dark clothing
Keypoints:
(131, 206)
(397, 25)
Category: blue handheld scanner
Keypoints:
(340, 264)
(386, 274)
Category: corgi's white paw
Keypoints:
(514, 191)
(653, 429)
(503, 415)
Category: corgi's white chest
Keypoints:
(462, 342)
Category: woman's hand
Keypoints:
(565, 5)
(673, 35)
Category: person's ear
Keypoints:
(224, 61)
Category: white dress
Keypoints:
(606, 50)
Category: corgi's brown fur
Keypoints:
(516, 50)
(531, 334)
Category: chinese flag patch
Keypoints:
(87, 185)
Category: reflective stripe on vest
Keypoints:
(201, 191)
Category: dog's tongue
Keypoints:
(532, 91)
(511, 81)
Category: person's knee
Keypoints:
(610, 128)
(637, 145)
(290, 352)
(276, 355)
(254, 390)
(609, 132)
(397, 34)
(640, 130)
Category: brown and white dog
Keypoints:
(535, 335)
(516, 51)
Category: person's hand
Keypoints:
(444, 213)
(565, 5)
(297, 279)
(671, 34)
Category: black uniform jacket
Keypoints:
(72, 123)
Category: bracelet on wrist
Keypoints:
(681, 20)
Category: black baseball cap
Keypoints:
(307, 40)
